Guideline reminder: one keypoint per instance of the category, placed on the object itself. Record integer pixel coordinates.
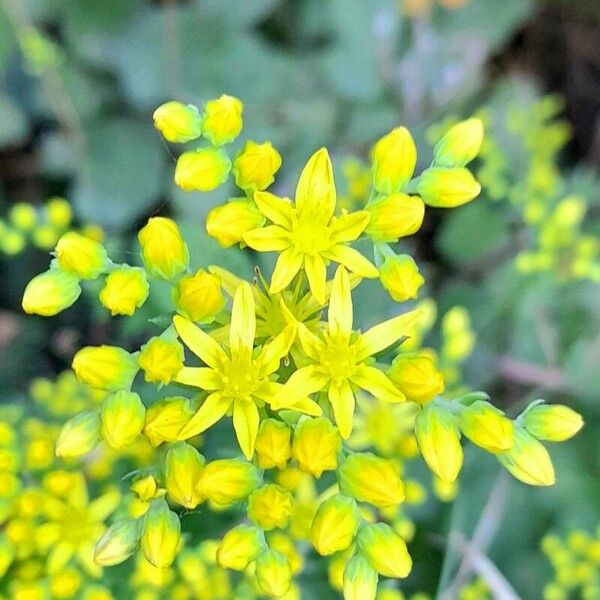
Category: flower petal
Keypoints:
(385, 334)
(288, 264)
(214, 407)
(59, 556)
(341, 399)
(340, 305)
(276, 209)
(303, 382)
(200, 343)
(274, 351)
(242, 328)
(105, 505)
(311, 344)
(245, 423)
(315, 192)
(200, 377)
(377, 383)
(316, 273)
(229, 281)
(353, 260)
(271, 238)
(348, 227)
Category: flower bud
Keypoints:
(553, 422)
(23, 216)
(79, 435)
(229, 222)
(228, 480)
(199, 297)
(222, 119)
(385, 550)
(160, 535)
(51, 292)
(416, 377)
(122, 418)
(204, 169)
(272, 446)
(183, 466)
(164, 252)
(360, 579)
(438, 437)
(166, 418)
(105, 367)
(58, 212)
(145, 488)
(178, 122)
(528, 460)
(394, 159)
(125, 289)
(400, 276)
(240, 546)
(81, 256)
(118, 543)
(316, 445)
(369, 478)
(273, 573)
(270, 506)
(334, 525)
(394, 216)
(255, 166)
(460, 145)
(161, 360)
(447, 188)
(487, 427)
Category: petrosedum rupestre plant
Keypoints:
(282, 356)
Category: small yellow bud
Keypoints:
(270, 506)
(416, 377)
(553, 422)
(178, 122)
(199, 297)
(394, 159)
(460, 145)
(118, 543)
(166, 418)
(105, 367)
(229, 222)
(22, 215)
(400, 276)
(528, 460)
(394, 217)
(360, 579)
(439, 441)
(58, 212)
(222, 119)
(81, 256)
(164, 252)
(79, 435)
(161, 534)
(369, 478)
(161, 360)
(385, 550)
(122, 418)
(204, 169)
(255, 166)
(273, 573)
(487, 427)
(183, 466)
(125, 289)
(447, 188)
(229, 480)
(51, 292)
(334, 525)
(283, 543)
(145, 488)
(240, 546)
(272, 446)
(316, 445)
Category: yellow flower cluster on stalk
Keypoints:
(280, 362)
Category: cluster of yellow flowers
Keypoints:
(42, 227)
(283, 357)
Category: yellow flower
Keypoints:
(340, 358)
(161, 534)
(335, 525)
(385, 550)
(416, 377)
(273, 447)
(51, 292)
(394, 216)
(360, 579)
(447, 188)
(145, 488)
(394, 159)
(199, 297)
(105, 367)
(183, 467)
(460, 145)
(79, 435)
(487, 426)
(316, 445)
(228, 480)
(164, 252)
(204, 169)
(122, 418)
(236, 378)
(222, 119)
(229, 222)
(552, 422)
(270, 506)
(307, 234)
(255, 166)
(273, 573)
(125, 289)
(240, 546)
(178, 122)
(166, 418)
(118, 543)
(58, 212)
(400, 276)
(161, 359)
(81, 256)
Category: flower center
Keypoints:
(339, 358)
(310, 235)
(241, 377)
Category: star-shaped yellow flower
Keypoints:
(340, 358)
(307, 234)
(237, 377)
